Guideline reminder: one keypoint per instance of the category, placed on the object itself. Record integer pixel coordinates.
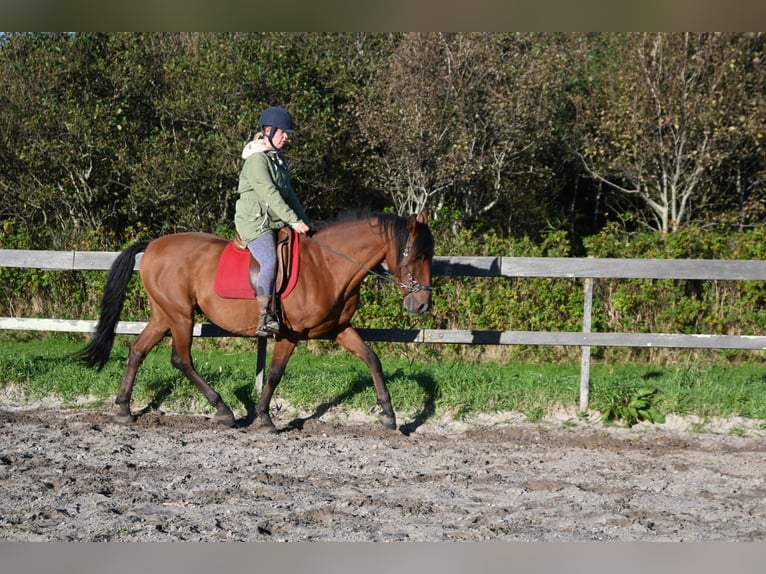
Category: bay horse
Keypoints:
(177, 272)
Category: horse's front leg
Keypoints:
(350, 339)
(283, 349)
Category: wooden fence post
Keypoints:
(585, 361)
(260, 364)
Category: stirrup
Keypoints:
(268, 328)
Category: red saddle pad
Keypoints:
(231, 277)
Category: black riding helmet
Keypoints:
(276, 117)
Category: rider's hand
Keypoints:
(301, 227)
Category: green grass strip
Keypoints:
(34, 367)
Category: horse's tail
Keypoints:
(96, 353)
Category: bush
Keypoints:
(483, 303)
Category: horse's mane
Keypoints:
(347, 215)
(390, 224)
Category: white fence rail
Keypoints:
(574, 268)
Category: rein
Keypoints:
(413, 286)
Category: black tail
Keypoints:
(96, 353)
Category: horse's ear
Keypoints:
(423, 217)
(412, 224)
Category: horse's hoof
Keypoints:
(387, 421)
(124, 419)
(224, 416)
(226, 420)
(266, 426)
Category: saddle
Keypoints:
(237, 271)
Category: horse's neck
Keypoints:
(359, 248)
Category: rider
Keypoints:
(266, 203)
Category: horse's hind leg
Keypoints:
(350, 340)
(145, 342)
(182, 360)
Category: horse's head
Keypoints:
(412, 269)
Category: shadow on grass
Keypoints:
(357, 386)
(244, 396)
(160, 390)
(431, 391)
(362, 383)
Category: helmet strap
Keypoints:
(270, 135)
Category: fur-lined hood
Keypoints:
(259, 145)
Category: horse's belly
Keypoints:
(238, 316)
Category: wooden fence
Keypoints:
(586, 269)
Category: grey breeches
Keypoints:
(264, 249)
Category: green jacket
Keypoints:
(266, 198)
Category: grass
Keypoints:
(35, 367)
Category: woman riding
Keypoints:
(266, 203)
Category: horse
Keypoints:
(178, 270)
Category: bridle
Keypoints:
(414, 286)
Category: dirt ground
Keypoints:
(75, 475)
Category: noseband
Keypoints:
(414, 286)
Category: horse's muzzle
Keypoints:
(418, 303)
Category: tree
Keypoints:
(79, 107)
(663, 115)
(110, 132)
(459, 121)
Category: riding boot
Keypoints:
(268, 324)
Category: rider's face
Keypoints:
(279, 139)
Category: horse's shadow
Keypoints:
(163, 388)
(431, 391)
(244, 396)
(361, 384)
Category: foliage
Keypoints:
(666, 118)
(715, 307)
(111, 132)
(116, 131)
(457, 121)
(631, 405)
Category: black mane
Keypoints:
(393, 225)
